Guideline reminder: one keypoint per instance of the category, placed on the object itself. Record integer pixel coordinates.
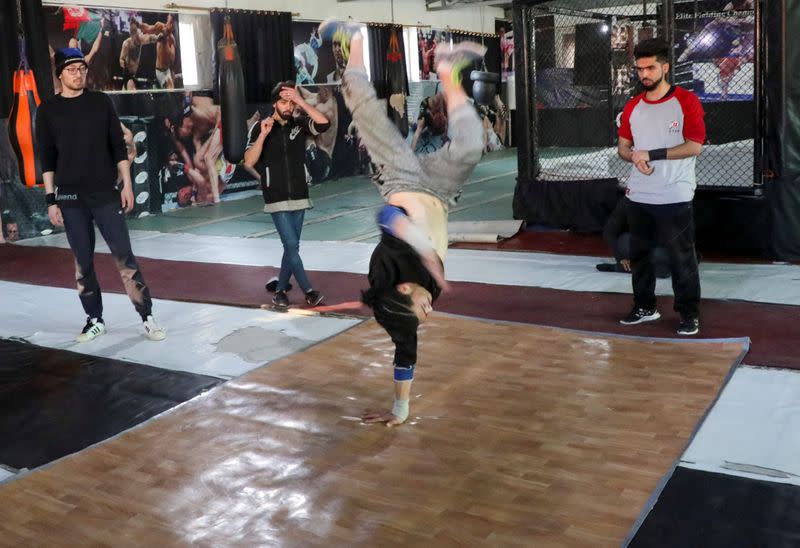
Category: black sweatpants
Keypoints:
(670, 226)
(79, 224)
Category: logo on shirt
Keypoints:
(675, 127)
(295, 131)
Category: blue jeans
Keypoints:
(289, 225)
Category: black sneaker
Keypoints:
(313, 298)
(689, 326)
(640, 315)
(272, 285)
(280, 299)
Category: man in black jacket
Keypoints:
(83, 156)
(276, 148)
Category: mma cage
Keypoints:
(575, 72)
(580, 75)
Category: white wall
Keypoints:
(406, 12)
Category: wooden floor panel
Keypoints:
(519, 436)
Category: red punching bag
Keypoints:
(231, 97)
(22, 121)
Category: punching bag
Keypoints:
(22, 121)
(397, 84)
(231, 97)
(484, 86)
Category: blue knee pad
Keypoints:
(386, 217)
(404, 373)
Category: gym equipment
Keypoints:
(231, 97)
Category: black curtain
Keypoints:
(592, 54)
(493, 54)
(545, 50)
(265, 45)
(378, 49)
(35, 45)
(782, 138)
(388, 69)
(492, 57)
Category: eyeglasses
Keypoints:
(72, 71)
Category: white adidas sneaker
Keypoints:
(94, 328)
(154, 331)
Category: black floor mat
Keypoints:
(55, 402)
(709, 510)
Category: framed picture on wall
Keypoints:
(505, 32)
(125, 50)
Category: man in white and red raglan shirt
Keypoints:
(661, 132)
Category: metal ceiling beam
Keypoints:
(439, 5)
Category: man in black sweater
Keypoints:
(83, 155)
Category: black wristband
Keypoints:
(657, 154)
(50, 199)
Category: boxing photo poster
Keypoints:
(319, 65)
(125, 50)
(428, 40)
(315, 61)
(175, 148)
(717, 39)
(623, 75)
(505, 32)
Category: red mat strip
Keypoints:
(771, 328)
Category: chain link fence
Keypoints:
(583, 74)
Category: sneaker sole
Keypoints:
(328, 28)
(80, 340)
(651, 318)
(688, 333)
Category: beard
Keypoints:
(654, 85)
(285, 114)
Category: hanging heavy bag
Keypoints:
(231, 97)
(484, 86)
(22, 121)
(398, 87)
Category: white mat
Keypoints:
(52, 317)
(482, 231)
(752, 431)
(777, 283)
